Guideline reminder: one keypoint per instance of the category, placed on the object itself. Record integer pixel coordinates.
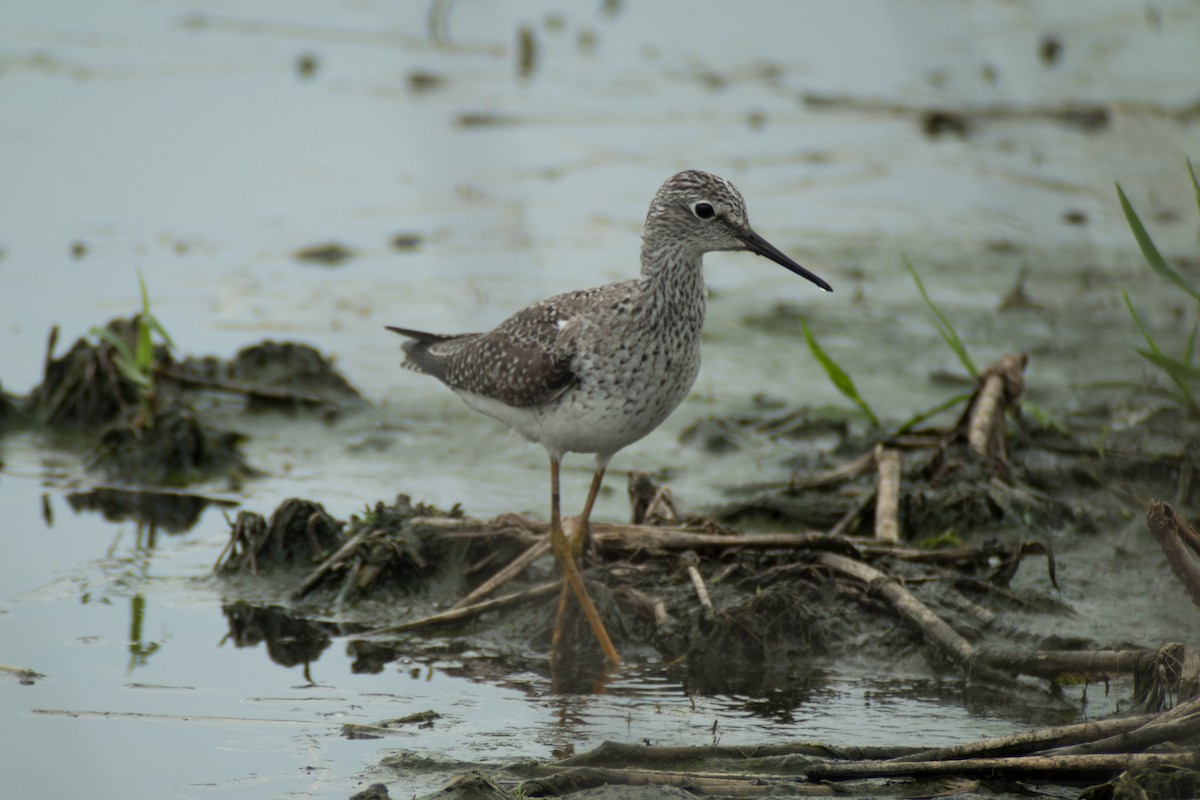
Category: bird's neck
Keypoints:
(673, 279)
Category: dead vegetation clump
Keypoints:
(85, 387)
(271, 375)
(299, 532)
(128, 390)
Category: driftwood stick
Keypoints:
(269, 393)
(908, 606)
(839, 474)
(1050, 765)
(1170, 530)
(460, 614)
(635, 537)
(701, 589)
(1003, 383)
(1052, 663)
(887, 495)
(513, 569)
(1177, 725)
(622, 754)
(1032, 741)
(723, 784)
(853, 514)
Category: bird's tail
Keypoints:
(426, 352)
(420, 336)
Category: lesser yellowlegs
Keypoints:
(592, 371)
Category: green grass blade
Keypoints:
(838, 376)
(943, 324)
(145, 346)
(118, 344)
(135, 375)
(1181, 374)
(1137, 323)
(1176, 369)
(1189, 350)
(939, 408)
(157, 327)
(123, 360)
(145, 295)
(1195, 183)
(1149, 250)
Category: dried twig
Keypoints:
(1003, 383)
(724, 784)
(1177, 725)
(887, 495)
(633, 537)
(325, 566)
(1063, 766)
(935, 629)
(701, 589)
(1171, 530)
(272, 394)
(1032, 741)
(513, 569)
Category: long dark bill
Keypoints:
(760, 246)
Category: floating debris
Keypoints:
(421, 81)
(331, 254)
(306, 66)
(406, 241)
(526, 52)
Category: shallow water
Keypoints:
(181, 140)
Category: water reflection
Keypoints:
(290, 641)
(173, 512)
(139, 651)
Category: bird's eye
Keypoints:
(704, 211)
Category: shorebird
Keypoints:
(595, 370)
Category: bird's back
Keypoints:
(524, 361)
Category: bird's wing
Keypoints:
(525, 361)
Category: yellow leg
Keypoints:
(571, 576)
(581, 528)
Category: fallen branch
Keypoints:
(513, 569)
(1053, 663)
(1032, 741)
(1171, 530)
(1003, 383)
(701, 589)
(1060, 766)
(1177, 725)
(623, 754)
(839, 474)
(334, 560)
(887, 495)
(271, 394)
(741, 784)
(633, 537)
(936, 630)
